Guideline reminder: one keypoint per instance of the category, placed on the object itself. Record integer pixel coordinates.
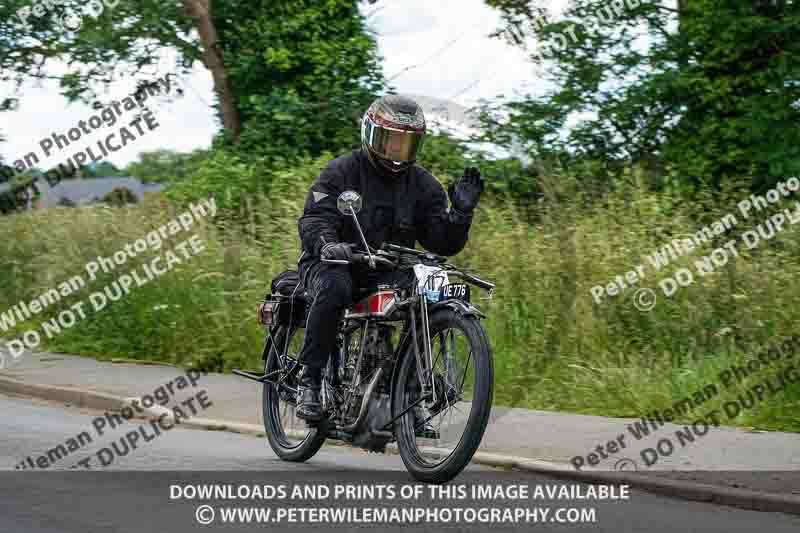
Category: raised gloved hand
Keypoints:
(338, 251)
(464, 194)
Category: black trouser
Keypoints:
(331, 289)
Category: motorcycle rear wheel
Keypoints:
(289, 437)
(430, 463)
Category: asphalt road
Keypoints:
(135, 492)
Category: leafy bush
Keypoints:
(119, 197)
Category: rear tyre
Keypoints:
(289, 436)
(463, 381)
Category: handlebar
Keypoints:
(391, 260)
(379, 260)
(478, 282)
(358, 258)
(402, 250)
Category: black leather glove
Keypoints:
(338, 251)
(465, 194)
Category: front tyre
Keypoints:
(463, 378)
(289, 436)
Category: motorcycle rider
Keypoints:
(402, 203)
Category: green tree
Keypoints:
(20, 191)
(161, 166)
(706, 91)
(103, 169)
(287, 73)
(122, 41)
(120, 197)
(303, 72)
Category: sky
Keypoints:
(440, 49)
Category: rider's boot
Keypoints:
(423, 425)
(309, 407)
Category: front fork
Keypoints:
(424, 364)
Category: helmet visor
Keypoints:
(395, 145)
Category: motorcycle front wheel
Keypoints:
(460, 404)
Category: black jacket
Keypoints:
(401, 209)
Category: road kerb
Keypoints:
(688, 490)
(69, 395)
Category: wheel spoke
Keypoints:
(280, 414)
(466, 369)
(451, 419)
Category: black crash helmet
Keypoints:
(392, 132)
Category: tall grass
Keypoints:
(555, 348)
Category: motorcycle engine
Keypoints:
(368, 434)
(378, 353)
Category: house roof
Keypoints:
(86, 191)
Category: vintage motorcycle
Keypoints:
(413, 365)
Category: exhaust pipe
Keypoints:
(362, 413)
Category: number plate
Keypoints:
(455, 291)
